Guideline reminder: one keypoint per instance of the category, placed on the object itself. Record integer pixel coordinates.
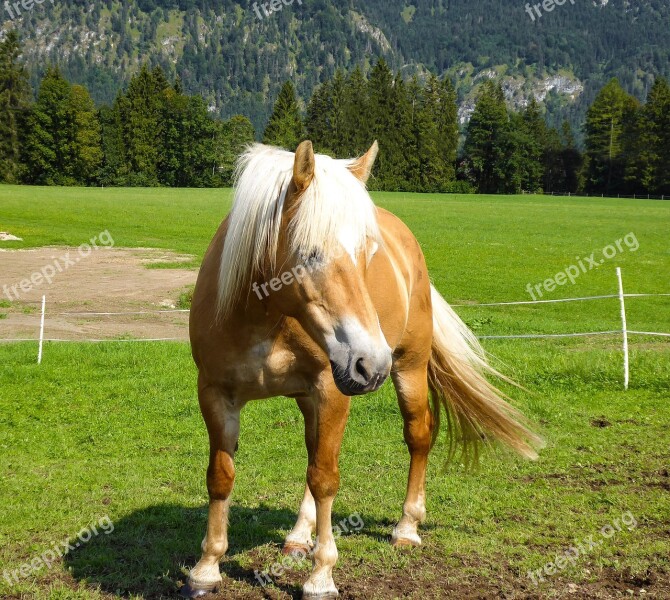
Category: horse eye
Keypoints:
(313, 257)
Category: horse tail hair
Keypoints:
(477, 412)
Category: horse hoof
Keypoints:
(326, 596)
(405, 543)
(292, 548)
(187, 591)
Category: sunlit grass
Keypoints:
(115, 429)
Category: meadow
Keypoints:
(114, 429)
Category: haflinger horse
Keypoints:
(362, 309)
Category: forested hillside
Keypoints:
(237, 62)
(155, 134)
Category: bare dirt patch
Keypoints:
(427, 578)
(108, 280)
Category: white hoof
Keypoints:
(205, 577)
(405, 536)
(320, 588)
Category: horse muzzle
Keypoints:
(362, 375)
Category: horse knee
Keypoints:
(323, 483)
(418, 433)
(220, 476)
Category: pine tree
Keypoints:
(171, 158)
(379, 117)
(50, 143)
(447, 125)
(571, 159)
(354, 108)
(87, 149)
(285, 127)
(114, 169)
(187, 157)
(398, 138)
(635, 155)
(142, 112)
(436, 131)
(486, 144)
(535, 130)
(14, 107)
(389, 119)
(339, 132)
(414, 149)
(318, 121)
(552, 162)
(199, 160)
(655, 138)
(233, 137)
(605, 123)
(512, 167)
(426, 105)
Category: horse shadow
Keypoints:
(148, 551)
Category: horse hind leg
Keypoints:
(299, 540)
(222, 417)
(412, 390)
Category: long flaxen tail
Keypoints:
(476, 410)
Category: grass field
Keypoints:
(114, 429)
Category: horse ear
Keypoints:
(362, 167)
(303, 169)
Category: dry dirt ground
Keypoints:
(108, 280)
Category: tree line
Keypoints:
(156, 135)
(152, 135)
(627, 144)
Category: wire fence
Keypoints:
(620, 196)
(624, 331)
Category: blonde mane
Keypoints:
(334, 212)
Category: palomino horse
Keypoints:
(346, 302)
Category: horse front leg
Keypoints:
(300, 538)
(323, 479)
(412, 390)
(222, 417)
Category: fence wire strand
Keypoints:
(482, 337)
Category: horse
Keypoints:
(346, 303)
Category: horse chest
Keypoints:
(263, 370)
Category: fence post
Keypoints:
(624, 330)
(39, 352)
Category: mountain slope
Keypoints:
(238, 61)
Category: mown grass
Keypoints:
(114, 429)
(478, 248)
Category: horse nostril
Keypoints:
(361, 370)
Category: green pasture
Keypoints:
(114, 429)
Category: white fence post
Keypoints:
(39, 353)
(626, 375)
